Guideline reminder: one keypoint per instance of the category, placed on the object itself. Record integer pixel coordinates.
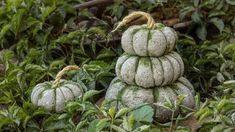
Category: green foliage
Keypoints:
(39, 37)
(205, 13)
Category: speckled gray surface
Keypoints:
(150, 71)
(139, 40)
(157, 43)
(162, 114)
(128, 70)
(144, 74)
(54, 98)
(127, 39)
(132, 95)
(189, 96)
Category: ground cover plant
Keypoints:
(38, 38)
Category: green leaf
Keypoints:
(90, 93)
(144, 114)
(112, 112)
(231, 2)
(196, 17)
(4, 30)
(220, 77)
(218, 23)
(143, 128)
(46, 11)
(103, 123)
(201, 31)
(92, 126)
(196, 3)
(121, 112)
(131, 122)
(117, 128)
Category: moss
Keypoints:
(159, 26)
(144, 61)
(156, 94)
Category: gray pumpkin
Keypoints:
(126, 95)
(143, 41)
(150, 71)
(54, 98)
(53, 95)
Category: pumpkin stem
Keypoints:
(130, 17)
(61, 73)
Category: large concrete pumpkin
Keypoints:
(125, 95)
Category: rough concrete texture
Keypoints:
(162, 114)
(128, 70)
(141, 41)
(127, 39)
(132, 95)
(144, 74)
(148, 72)
(156, 43)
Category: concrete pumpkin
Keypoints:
(150, 71)
(132, 95)
(53, 95)
(142, 41)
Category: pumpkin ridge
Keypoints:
(62, 93)
(41, 94)
(172, 67)
(54, 107)
(70, 90)
(166, 47)
(176, 38)
(77, 84)
(38, 97)
(136, 46)
(181, 62)
(136, 67)
(147, 43)
(155, 94)
(132, 36)
(163, 79)
(38, 88)
(120, 93)
(177, 62)
(120, 68)
(151, 66)
(189, 87)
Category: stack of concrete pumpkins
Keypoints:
(150, 71)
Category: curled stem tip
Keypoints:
(61, 73)
(130, 17)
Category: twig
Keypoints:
(182, 25)
(92, 3)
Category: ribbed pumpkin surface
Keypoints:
(54, 98)
(142, 41)
(131, 96)
(150, 71)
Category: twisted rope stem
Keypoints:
(61, 73)
(130, 17)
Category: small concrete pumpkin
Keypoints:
(125, 95)
(150, 71)
(53, 95)
(147, 40)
